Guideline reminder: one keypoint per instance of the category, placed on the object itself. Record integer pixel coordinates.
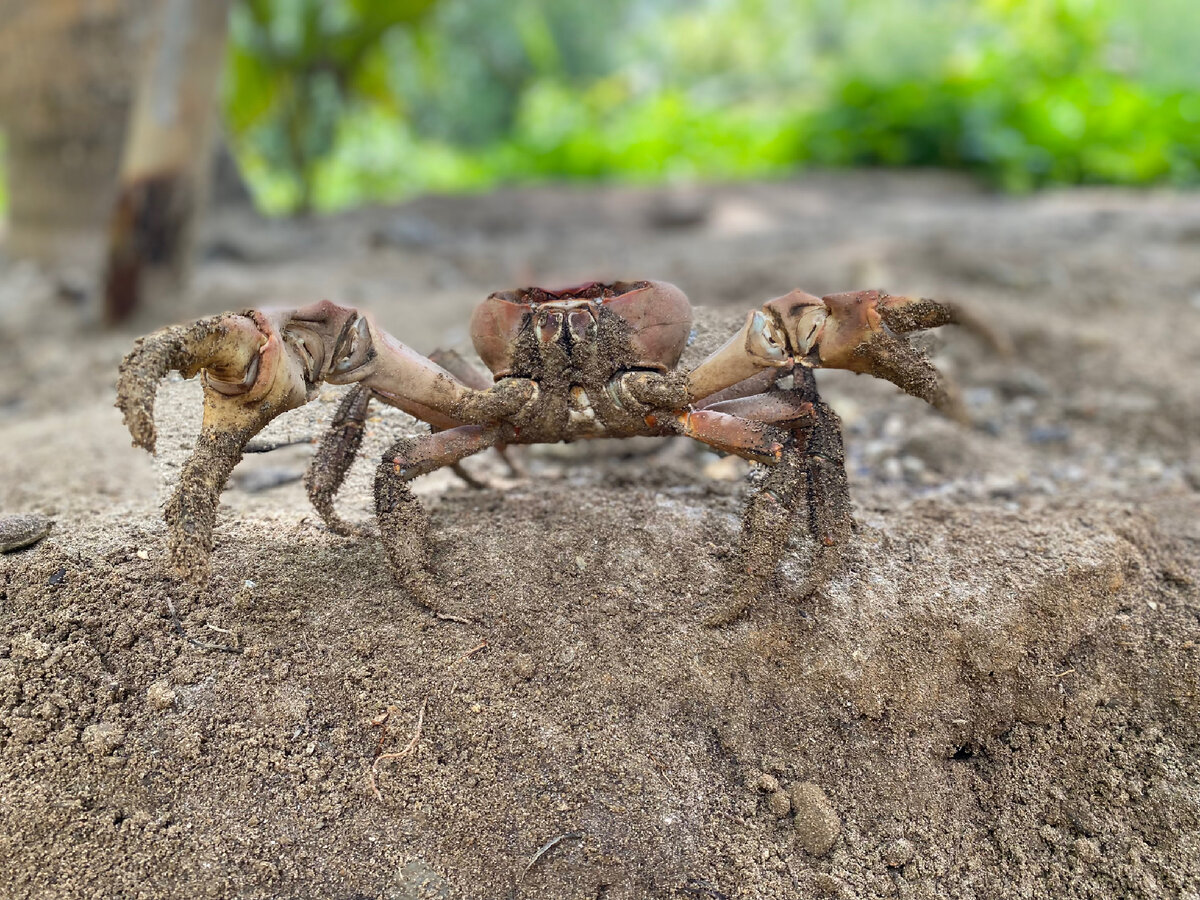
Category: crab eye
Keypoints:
(580, 323)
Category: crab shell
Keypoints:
(659, 316)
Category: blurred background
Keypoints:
(325, 105)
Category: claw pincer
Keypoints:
(858, 331)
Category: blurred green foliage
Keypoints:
(338, 102)
(297, 67)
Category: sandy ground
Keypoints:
(996, 697)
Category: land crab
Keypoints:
(596, 360)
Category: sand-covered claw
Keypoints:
(251, 373)
(863, 331)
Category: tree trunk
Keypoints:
(66, 83)
(166, 163)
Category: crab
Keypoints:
(591, 361)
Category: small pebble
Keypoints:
(779, 803)
(21, 531)
(773, 764)
(726, 468)
(1192, 476)
(899, 852)
(680, 208)
(1049, 434)
(768, 784)
(26, 646)
(160, 695)
(523, 666)
(103, 738)
(1087, 850)
(829, 886)
(816, 823)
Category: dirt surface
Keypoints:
(995, 697)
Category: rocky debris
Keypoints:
(418, 881)
(898, 853)
(20, 531)
(160, 695)
(816, 823)
(26, 646)
(103, 738)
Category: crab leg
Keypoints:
(809, 479)
(763, 380)
(403, 522)
(472, 376)
(336, 452)
(760, 344)
(746, 426)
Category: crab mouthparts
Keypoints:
(578, 316)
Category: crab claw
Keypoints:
(861, 331)
(255, 366)
(228, 344)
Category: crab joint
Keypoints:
(732, 434)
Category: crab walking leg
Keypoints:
(458, 386)
(746, 426)
(827, 496)
(338, 448)
(403, 378)
(191, 512)
(732, 434)
(758, 383)
(403, 522)
(474, 377)
(809, 481)
(462, 369)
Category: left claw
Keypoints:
(860, 331)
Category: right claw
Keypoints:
(229, 344)
(251, 375)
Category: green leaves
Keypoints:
(336, 102)
(296, 69)
(1040, 102)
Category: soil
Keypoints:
(996, 696)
